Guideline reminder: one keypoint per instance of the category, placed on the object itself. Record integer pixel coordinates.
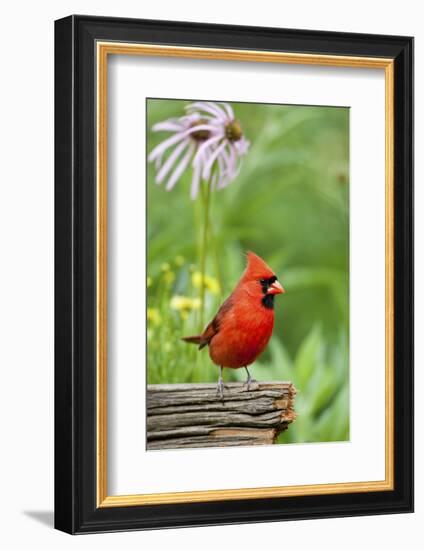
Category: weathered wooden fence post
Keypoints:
(192, 415)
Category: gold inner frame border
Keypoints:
(103, 50)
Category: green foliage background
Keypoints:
(290, 205)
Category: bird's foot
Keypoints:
(220, 388)
(250, 384)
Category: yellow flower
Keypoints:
(169, 277)
(153, 316)
(179, 260)
(211, 284)
(184, 303)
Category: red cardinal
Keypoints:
(241, 329)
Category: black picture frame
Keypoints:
(76, 510)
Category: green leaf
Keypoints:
(326, 389)
(282, 365)
(308, 358)
(333, 425)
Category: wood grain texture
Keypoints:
(193, 415)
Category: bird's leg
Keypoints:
(249, 380)
(220, 385)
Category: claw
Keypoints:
(250, 381)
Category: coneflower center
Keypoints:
(200, 135)
(233, 131)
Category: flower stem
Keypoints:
(218, 272)
(203, 251)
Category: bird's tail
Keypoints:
(199, 340)
(193, 339)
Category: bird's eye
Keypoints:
(262, 281)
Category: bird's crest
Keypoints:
(256, 267)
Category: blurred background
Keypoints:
(290, 205)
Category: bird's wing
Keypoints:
(214, 325)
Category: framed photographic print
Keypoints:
(234, 269)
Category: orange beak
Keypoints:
(276, 288)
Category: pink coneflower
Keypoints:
(209, 137)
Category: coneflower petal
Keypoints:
(162, 147)
(225, 155)
(208, 165)
(229, 110)
(229, 171)
(232, 162)
(171, 160)
(180, 168)
(219, 110)
(205, 145)
(208, 108)
(167, 126)
(191, 117)
(236, 162)
(195, 182)
(197, 127)
(242, 146)
(221, 173)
